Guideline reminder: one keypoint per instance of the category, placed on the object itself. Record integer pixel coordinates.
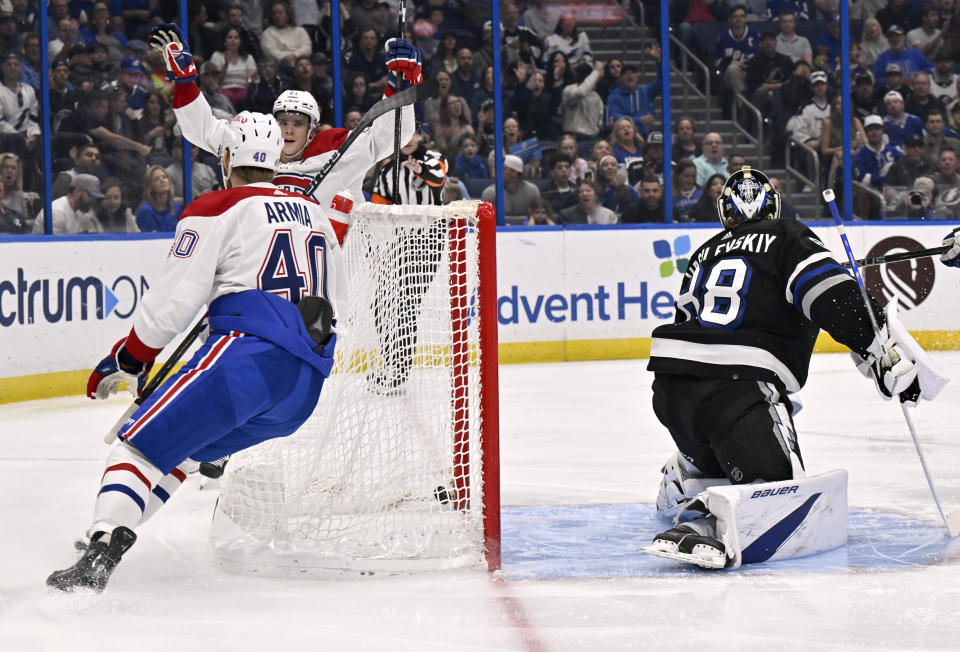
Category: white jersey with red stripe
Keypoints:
(255, 237)
(201, 128)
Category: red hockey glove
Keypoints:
(403, 58)
(118, 367)
(180, 66)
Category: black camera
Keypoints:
(916, 198)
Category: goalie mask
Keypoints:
(253, 140)
(747, 195)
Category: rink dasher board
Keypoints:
(581, 293)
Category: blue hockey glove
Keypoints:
(951, 257)
(180, 66)
(403, 58)
(118, 367)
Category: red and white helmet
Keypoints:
(253, 140)
(298, 102)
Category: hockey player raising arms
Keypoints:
(305, 150)
(747, 317)
(264, 259)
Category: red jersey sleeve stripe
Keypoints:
(138, 349)
(183, 94)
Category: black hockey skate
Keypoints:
(97, 563)
(214, 469)
(684, 543)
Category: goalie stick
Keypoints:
(418, 93)
(952, 520)
(396, 122)
(893, 258)
(158, 378)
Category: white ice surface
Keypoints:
(577, 433)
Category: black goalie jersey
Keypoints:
(752, 303)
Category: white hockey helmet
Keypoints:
(298, 102)
(253, 140)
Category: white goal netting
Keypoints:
(388, 473)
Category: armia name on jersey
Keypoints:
(764, 493)
(758, 243)
(286, 211)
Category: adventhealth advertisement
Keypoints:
(562, 294)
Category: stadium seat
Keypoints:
(475, 186)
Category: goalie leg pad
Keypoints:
(780, 520)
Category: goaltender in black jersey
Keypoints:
(752, 302)
(750, 307)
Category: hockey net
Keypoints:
(397, 468)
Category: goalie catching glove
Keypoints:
(118, 367)
(180, 66)
(898, 365)
(951, 256)
(403, 58)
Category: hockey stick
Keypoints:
(411, 95)
(952, 522)
(894, 258)
(155, 381)
(396, 122)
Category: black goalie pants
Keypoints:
(738, 429)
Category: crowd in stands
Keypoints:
(583, 140)
(783, 56)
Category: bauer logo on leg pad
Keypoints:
(796, 518)
(764, 493)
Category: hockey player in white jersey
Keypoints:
(263, 259)
(305, 150)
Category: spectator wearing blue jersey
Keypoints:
(633, 101)
(159, 210)
(802, 9)
(733, 49)
(872, 161)
(910, 60)
(898, 124)
(686, 193)
(469, 164)
(829, 40)
(613, 191)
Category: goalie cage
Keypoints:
(395, 470)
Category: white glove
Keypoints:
(890, 362)
(950, 257)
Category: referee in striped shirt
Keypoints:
(415, 256)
